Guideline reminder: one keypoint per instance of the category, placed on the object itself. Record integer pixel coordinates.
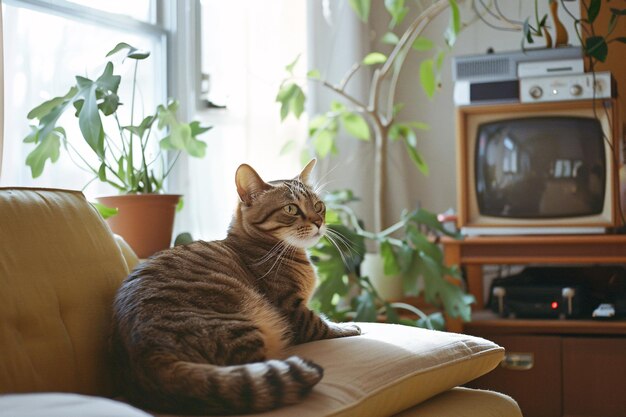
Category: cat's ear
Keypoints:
(249, 184)
(306, 172)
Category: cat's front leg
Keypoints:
(309, 326)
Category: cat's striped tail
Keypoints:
(192, 388)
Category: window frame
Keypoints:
(174, 25)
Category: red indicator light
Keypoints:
(554, 305)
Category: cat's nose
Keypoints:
(318, 222)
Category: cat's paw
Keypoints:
(346, 329)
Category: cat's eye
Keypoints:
(319, 207)
(291, 209)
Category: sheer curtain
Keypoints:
(1, 92)
(245, 47)
(337, 39)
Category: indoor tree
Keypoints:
(405, 247)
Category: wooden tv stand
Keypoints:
(552, 367)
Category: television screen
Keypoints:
(540, 167)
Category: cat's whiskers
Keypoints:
(332, 238)
(317, 187)
(275, 249)
(343, 240)
(279, 256)
(289, 256)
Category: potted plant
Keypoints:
(411, 255)
(409, 249)
(124, 156)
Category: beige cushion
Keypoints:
(388, 369)
(465, 402)
(64, 405)
(59, 270)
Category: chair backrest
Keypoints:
(59, 270)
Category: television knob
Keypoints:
(576, 90)
(535, 92)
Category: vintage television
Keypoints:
(539, 168)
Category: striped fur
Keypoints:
(201, 328)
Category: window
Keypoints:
(245, 47)
(45, 45)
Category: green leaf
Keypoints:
(318, 122)
(109, 104)
(196, 129)
(423, 44)
(184, 238)
(89, 121)
(140, 130)
(47, 106)
(374, 58)
(314, 74)
(356, 125)
(397, 108)
(323, 142)
(417, 158)
(621, 39)
(340, 197)
(121, 171)
(593, 10)
(366, 310)
(48, 148)
(612, 23)
(105, 211)
(361, 8)
(397, 10)
(132, 53)
(390, 312)
(419, 125)
(48, 114)
(182, 136)
(390, 263)
(102, 172)
(390, 38)
(291, 98)
(32, 136)
(180, 204)
(527, 32)
(439, 57)
(435, 321)
(290, 66)
(107, 81)
(337, 106)
(454, 27)
(427, 77)
(618, 12)
(597, 48)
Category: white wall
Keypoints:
(437, 192)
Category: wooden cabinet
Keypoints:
(554, 376)
(553, 368)
(594, 376)
(530, 373)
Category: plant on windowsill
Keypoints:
(124, 157)
(405, 248)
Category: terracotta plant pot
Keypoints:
(145, 221)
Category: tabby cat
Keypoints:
(200, 328)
